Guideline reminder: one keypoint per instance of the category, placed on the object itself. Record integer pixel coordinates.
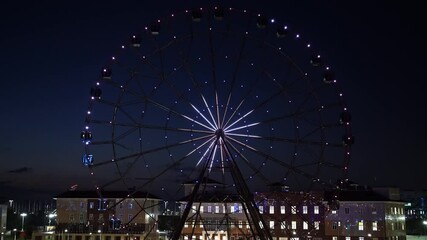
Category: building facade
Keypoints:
(86, 215)
(366, 215)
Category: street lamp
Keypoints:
(23, 215)
(14, 233)
(100, 236)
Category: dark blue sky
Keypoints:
(51, 52)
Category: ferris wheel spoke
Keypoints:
(149, 126)
(288, 140)
(210, 113)
(248, 163)
(241, 127)
(203, 116)
(275, 160)
(174, 165)
(179, 114)
(149, 151)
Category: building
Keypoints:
(415, 210)
(366, 213)
(287, 215)
(112, 215)
(3, 217)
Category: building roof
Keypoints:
(357, 195)
(106, 194)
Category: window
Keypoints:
(90, 216)
(101, 217)
(130, 205)
(347, 210)
(347, 238)
(360, 226)
(305, 225)
(374, 226)
(294, 209)
(201, 209)
(316, 209)
(271, 210)
(82, 205)
(71, 217)
(217, 209)
(261, 209)
(316, 225)
(91, 205)
(294, 224)
(334, 225)
(81, 218)
(283, 225)
(283, 238)
(374, 210)
(304, 210)
(130, 216)
(240, 224)
(209, 209)
(282, 210)
(232, 209)
(186, 224)
(361, 238)
(271, 224)
(334, 238)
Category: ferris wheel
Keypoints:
(220, 94)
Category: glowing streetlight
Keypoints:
(23, 215)
(14, 233)
(100, 236)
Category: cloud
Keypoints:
(21, 170)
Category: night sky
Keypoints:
(52, 52)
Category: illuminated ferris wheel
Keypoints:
(218, 94)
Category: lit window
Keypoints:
(186, 224)
(305, 225)
(283, 238)
(271, 224)
(232, 209)
(361, 238)
(282, 210)
(130, 216)
(304, 210)
(360, 224)
(316, 209)
(216, 209)
(130, 205)
(261, 209)
(294, 224)
(283, 225)
(347, 238)
(91, 205)
(294, 209)
(201, 209)
(240, 224)
(201, 224)
(271, 211)
(209, 209)
(334, 238)
(374, 226)
(316, 225)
